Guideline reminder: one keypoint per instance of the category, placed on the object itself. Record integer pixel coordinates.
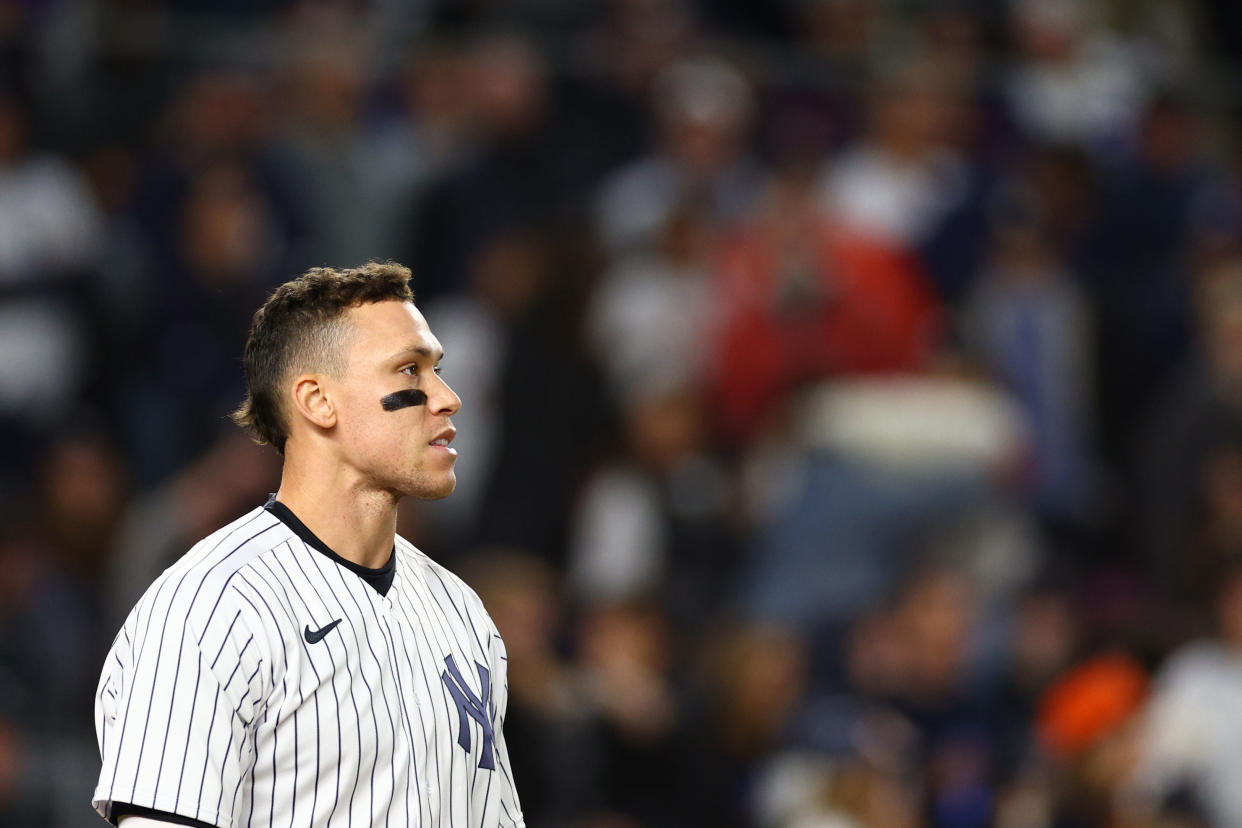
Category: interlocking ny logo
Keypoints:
(468, 704)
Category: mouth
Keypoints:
(443, 439)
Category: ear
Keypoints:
(311, 400)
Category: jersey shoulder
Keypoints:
(435, 574)
(194, 616)
(196, 585)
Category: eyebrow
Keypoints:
(418, 350)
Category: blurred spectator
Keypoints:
(426, 143)
(46, 676)
(920, 657)
(218, 117)
(50, 221)
(626, 672)
(798, 300)
(655, 524)
(605, 99)
(1139, 276)
(1088, 722)
(701, 157)
(898, 185)
(806, 791)
(220, 218)
(229, 244)
(1045, 638)
(83, 491)
(1189, 732)
(1028, 325)
(515, 289)
(654, 521)
(335, 151)
(652, 313)
(756, 678)
(511, 183)
(49, 238)
(875, 465)
(1189, 452)
(438, 114)
(1084, 748)
(1072, 82)
(548, 395)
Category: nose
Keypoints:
(443, 400)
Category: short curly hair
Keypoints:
(301, 327)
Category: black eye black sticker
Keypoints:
(398, 400)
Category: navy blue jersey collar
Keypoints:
(378, 579)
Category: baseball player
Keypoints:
(304, 665)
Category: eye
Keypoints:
(412, 370)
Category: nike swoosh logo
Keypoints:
(317, 635)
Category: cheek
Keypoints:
(367, 427)
(397, 430)
(383, 436)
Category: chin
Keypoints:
(436, 489)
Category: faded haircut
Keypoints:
(302, 328)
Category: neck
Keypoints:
(356, 521)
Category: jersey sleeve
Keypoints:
(510, 808)
(176, 705)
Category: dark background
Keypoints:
(852, 427)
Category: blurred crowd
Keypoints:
(852, 426)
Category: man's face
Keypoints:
(405, 450)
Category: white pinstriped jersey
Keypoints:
(258, 682)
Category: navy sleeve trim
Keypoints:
(120, 809)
